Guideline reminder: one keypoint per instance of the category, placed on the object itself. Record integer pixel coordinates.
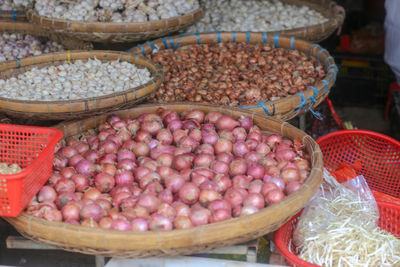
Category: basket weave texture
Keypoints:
(116, 32)
(284, 108)
(70, 109)
(199, 239)
(13, 15)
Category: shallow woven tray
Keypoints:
(29, 28)
(116, 32)
(284, 108)
(13, 15)
(199, 239)
(69, 109)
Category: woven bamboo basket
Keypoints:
(69, 109)
(28, 28)
(116, 32)
(284, 108)
(111, 243)
(13, 15)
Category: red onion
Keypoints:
(290, 174)
(209, 185)
(123, 178)
(54, 178)
(68, 172)
(253, 156)
(151, 126)
(213, 116)
(255, 200)
(119, 125)
(166, 210)
(65, 186)
(223, 145)
(219, 204)
(47, 194)
(227, 135)
(251, 144)
(209, 174)
(273, 139)
(81, 147)
(268, 187)
(92, 194)
(241, 181)
(220, 167)
(143, 136)
(171, 117)
(236, 211)
(175, 125)
(302, 164)
(190, 124)
(126, 154)
(181, 209)
(196, 114)
(199, 216)
(279, 182)
(165, 137)
(196, 135)
(188, 141)
(85, 167)
(70, 212)
(274, 196)
(104, 182)
(248, 210)
(242, 191)
(148, 178)
(160, 222)
(89, 223)
(165, 196)
(108, 158)
(198, 179)
(263, 148)
(121, 225)
(220, 215)
(59, 162)
(240, 148)
(92, 211)
(209, 137)
(105, 204)
(165, 159)
(102, 136)
(92, 155)
(226, 123)
(71, 143)
(205, 127)
(68, 152)
(113, 118)
(285, 155)
(174, 182)
(52, 215)
(207, 196)
(81, 182)
(133, 127)
(162, 149)
(179, 134)
(74, 160)
(234, 197)
(292, 187)
(108, 146)
(239, 133)
(105, 223)
(245, 122)
(149, 201)
(153, 188)
(256, 171)
(182, 222)
(129, 202)
(124, 135)
(204, 148)
(255, 186)
(223, 182)
(165, 171)
(140, 172)
(238, 167)
(272, 170)
(128, 145)
(140, 225)
(118, 197)
(203, 160)
(141, 212)
(150, 117)
(303, 175)
(126, 165)
(182, 162)
(225, 157)
(189, 193)
(141, 149)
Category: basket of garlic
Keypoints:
(14, 10)
(75, 84)
(307, 20)
(269, 74)
(115, 21)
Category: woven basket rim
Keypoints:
(102, 27)
(292, 201)
(156, 74)
(312, 50)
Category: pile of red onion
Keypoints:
(167, 171)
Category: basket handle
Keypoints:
(339, 13)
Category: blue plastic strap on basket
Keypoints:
(302, 103)
(261, 104)
(327, 61)
(14, 15)
(171, 41)
(316, 91)
(311, 48)
(326, 86)
(276, 40)
(143, 51)
(197, 38)
(292, 39)
(333, 66)
(234, 37)
(19, 63)
(248, 36)
(264, 37)
(150, 43)
(165, 43)
(320, 53)
(218, 37)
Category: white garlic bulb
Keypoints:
(78, 80)
(15, 4)
(255, 15)
(115, 10)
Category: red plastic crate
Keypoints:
(389, 220)
(32, 148)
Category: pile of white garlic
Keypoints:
(115, 10)
(9, 169)
(255, 15)
(18, 45)
(78, 80)
(15, 4)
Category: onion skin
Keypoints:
(234, 197)
(255, 200)
(182, 222)
(220, 215)
(189, 193)
(290, 175)
(149, 201)
(274, 196)
(140, 225)
(292, 187)
(160, 222)
(207, 196)
(199, 216)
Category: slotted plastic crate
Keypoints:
(32, 148)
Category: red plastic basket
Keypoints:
(380, 159)
(32, 148)
(389, 220)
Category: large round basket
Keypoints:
(116, 32)
(69, 109)
(12, 15)
(176, 242)
(284, 108)
(35, 30)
